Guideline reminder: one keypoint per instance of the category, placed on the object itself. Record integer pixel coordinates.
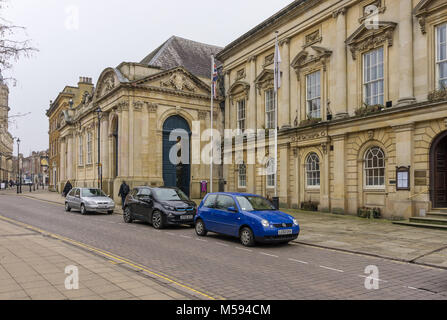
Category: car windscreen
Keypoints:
(170, 195)
(91, 193)
(252, 203)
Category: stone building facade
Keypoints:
(6, 139)
(141, 103)
(362, 109)
(56, 114)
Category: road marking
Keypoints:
(332, 269)
(186, 237)
(201, 240)
(222, 244)
(107, 254)
(268, 254)
(244, 249)
(171, 234)
(299, 261)
(375, 279)
(425, 291)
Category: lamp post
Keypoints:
(19, 175)
(99, 114)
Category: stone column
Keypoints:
(105, 146)
(340, 103)
(227, 120)
(406, 91)
(338, 197)
(283, 178)
(252, 118)
(123, 143)
(284, 99)
(71, 161)
(63, 160)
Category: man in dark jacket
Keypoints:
(67, 188)
(124, 191)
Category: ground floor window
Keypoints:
(313, 170)
(375, 168)
(242, 177)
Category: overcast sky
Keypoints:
(106, 33)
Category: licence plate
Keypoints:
(186, 217)
(285, 232)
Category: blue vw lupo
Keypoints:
(249, 217)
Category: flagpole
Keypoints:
(277, 74)
(212, 123)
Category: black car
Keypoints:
(161, 207)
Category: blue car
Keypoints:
(249, 217)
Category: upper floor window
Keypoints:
(242, 177)
(441, 56)
(89, 148)
(241, 115)
(375, 168)
(81, 151)
(373, 77)
(313, 95)
(313, 170)
(270, 120)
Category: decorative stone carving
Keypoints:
(341, 10)
(265, 80)
(312, 38)
(240, 74)
(370, 135)
(368, 13)
(304, 59)
(269, 59)
(309, 136)
(424, 9)
(437, 95)
(202, 115)
(179, 82)
(108, 83)
(122, 106)
(151, 107)
(138, 105)
(239, 87)
(324, 148)
(363, 38)
(284, 41)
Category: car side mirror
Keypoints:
(233, 209)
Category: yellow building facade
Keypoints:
(362, 107)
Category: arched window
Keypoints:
(242, 177)
(375, 168)
(313, 170)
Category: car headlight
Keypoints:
(169, 208)
(265, 223)
(112, 204)
(295, 222)
(92, 203)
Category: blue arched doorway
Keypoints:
(176, 174)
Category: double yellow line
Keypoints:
(107, 255)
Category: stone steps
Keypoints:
(429, 220)
(422, 225)
(433, 214)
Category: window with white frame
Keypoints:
(271, 176)
(313, 95)
(373, 77)
(375, 168)
(89, 148)
(242, 176)
(441, 56)
(270, 114)
(313, 170)
(81, 151)
(241, 114)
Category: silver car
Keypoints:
(89, 200)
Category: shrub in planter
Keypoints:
(366, 109)
(362, 212)
(310, 122)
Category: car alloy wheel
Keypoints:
(67, 207)
(200, 229)
(127, 216)
(157, 220)
(83, 211)
(247, 238)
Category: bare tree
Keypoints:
(12, 49)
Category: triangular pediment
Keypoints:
(370, 36)
(427, 7)
(176, 80)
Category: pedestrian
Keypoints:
(67, 188)
(124, 191)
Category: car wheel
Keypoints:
(157, 220)
(67, 207)
(83, 210)
(200, 228)
(127, 215)
(247, 237)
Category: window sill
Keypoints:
(374, 189)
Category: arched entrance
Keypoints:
(438, 171)
(176, 174)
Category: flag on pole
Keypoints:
(277, 66)
(214, 77)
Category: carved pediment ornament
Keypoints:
(107, 84)
(265, 80)
(237, 87)
(179, 82)
(423, 10)
(309, 136)
(304, 59)
(363, 38)
(240, 74)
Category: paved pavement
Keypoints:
(221, 268)
(33, 266)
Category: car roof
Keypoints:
(234, 194)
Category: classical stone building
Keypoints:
(6, 139)
(141, 103)
(69, 96)
(362, 106)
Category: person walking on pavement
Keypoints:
(124, 191)
(67, 188)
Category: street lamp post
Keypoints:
(19, 176)
(99, 114)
